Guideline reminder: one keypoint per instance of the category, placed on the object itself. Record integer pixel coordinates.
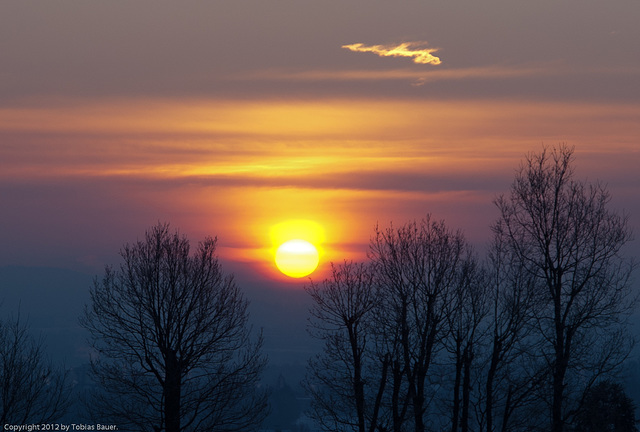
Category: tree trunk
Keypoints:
(456, 390)
(558, 394)
(418, 402)
(507, 410)
(467, 359)
(373, 425)
(559, 369)
(172, 393)
(398, 411)
(358, 384)
(489, 385)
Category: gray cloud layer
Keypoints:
(67, 48)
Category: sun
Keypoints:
(297, 246)
(297, 258)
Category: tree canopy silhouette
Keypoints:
(565, 236)
(425, 337)
(606, 407)
(172, 343)
(31, 389)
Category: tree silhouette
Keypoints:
(343, 380)
(418, 267)
(424, 337)
(511, 369)
(561, 231)
(606, 407)
(173, 348)
(31, 390)
(466, 312)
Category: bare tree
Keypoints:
(346, 381)
(173, 347)
(564, 235)
(31, 389)
(466, 312)
(417, 268)
(512, 371)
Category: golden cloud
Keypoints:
(405, 49)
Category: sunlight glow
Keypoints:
(297, 229)
(244, 170)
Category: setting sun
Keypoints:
(297, 246)
(297, 258)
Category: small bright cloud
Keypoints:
(414, 50)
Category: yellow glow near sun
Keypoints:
(297, 258)
(296, 246)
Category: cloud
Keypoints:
(420, 76)
(405, 49)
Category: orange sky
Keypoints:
(235, 169)
(226, 118)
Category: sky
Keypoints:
(232, 118)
